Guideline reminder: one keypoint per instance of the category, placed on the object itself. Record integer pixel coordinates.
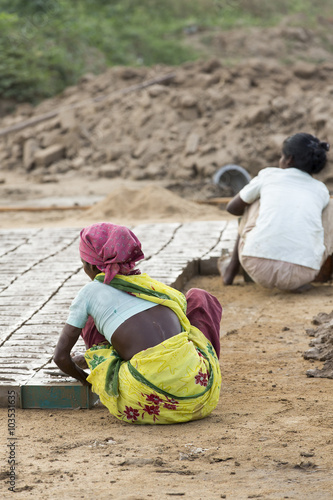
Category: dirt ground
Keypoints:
(270, 436)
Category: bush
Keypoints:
(47, 45)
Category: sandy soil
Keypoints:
(270, 436)
(122, 201)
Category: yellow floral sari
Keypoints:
(176, 381)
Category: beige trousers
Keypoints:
(275, 273)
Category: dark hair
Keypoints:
(307, 153)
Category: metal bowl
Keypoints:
(232, 176)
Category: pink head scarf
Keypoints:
(111, 248)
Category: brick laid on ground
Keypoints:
(41, 273)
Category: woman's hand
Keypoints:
(79, 359)
(62, 356)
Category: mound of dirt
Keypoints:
(129, 123)
(149, 203)
(321, 346)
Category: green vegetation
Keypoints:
(46, 45)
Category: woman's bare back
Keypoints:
(145, 329)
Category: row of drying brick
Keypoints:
(41, 272)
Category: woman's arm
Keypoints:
(236, 206)
(62, 357)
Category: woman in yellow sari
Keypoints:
(152, 352)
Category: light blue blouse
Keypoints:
(108, 306)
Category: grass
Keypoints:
(47, 45)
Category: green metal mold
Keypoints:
(52, 396)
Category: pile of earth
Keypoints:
(148, 203)
(181, 129)
(321, 346)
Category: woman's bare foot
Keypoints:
(226, 271)
(304, 288)
(228, 266)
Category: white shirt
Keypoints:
(289, 226)
(108, 306)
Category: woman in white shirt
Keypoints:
(283, 236)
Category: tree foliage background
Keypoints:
(46, 45)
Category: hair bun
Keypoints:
(325, 146)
